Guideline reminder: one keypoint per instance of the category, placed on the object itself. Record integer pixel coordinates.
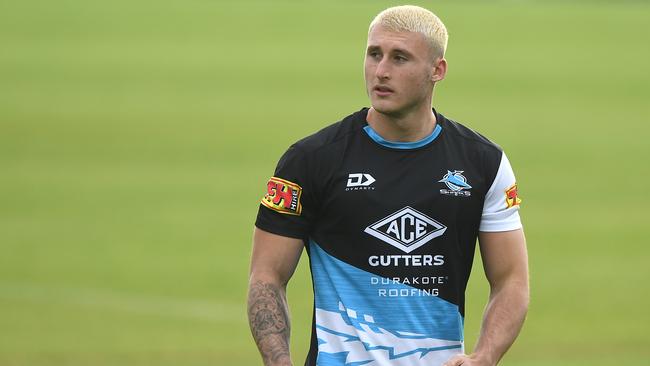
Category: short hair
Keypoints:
(411, 18)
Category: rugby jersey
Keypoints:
(390, 229)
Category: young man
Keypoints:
(389, 203)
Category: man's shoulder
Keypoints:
(334, 133)
(467, 136)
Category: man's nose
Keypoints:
(382, 71)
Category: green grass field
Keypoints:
(136, 138)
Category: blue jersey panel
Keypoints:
(362, 318)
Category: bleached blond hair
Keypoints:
(411, 18)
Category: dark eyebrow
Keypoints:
(395, 50)
(373, 48)
(399, 50)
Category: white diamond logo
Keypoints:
(406, 229)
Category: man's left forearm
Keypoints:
(503, 318)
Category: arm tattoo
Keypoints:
(268, 317)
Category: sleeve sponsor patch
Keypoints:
(283, 196)
(511, 196)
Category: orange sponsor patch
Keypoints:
(511, 196)
(283, 196)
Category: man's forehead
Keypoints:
(382, 37)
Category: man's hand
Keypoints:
(467, 360)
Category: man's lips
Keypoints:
(382, 90)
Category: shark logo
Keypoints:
(457, 184)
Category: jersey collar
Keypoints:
(405, 145)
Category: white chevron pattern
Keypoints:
(378, 344)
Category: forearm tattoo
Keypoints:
(269, 321)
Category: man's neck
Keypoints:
(407, 128)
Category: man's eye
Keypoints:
(400, 59)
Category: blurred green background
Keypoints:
(136, 138)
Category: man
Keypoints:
(389, 203)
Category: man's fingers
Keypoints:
(456, 360)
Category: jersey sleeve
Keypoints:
(501, 206)
(287, 207)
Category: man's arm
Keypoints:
(505, 261)
(273, 261)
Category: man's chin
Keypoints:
(383, 108)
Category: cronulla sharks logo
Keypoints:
(457, 184)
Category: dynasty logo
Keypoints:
(360, 181)
(283, 196)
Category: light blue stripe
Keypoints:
(402, 145)
(337, 283)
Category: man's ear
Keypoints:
(439, 70)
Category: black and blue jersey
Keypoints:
(390, 229)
